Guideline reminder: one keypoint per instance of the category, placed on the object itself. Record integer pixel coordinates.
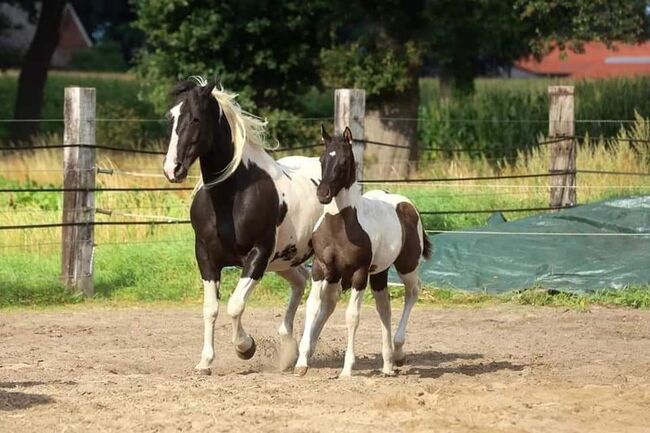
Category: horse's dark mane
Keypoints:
(182, 87)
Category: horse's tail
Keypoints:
(427, 248)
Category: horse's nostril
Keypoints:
(177, 168)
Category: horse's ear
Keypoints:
(324, 135)
(347, 135)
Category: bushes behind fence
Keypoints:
(503, 116)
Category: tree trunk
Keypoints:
(33, 74)
(392, 120)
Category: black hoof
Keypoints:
(400, 362)
(249, 353)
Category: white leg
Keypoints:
(244, 344)
(320, 305)
(297, 279)
(210, 312)
(382, 302)
(288, 351)
(352, 321)
(412, 289)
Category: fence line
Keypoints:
(494, 233)
(505, 186)
(91, 223)
(105, 189)
(477, 211)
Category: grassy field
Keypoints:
(153, 263)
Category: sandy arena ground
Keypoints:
(495, 369)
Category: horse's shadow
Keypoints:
(426, 364)
(14, 400)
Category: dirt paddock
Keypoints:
(505, 368)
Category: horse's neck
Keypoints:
(347, 197)
(213, 162)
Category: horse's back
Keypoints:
(379, 218)
(306, 166)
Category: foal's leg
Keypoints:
(412, 289)
(379, 285)
(352, 321)
(211, 277)
(253, 269)
(297, 278)
(320, 305)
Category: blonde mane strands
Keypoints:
(244, 127)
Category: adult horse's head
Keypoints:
(337, 165)
(193, 118)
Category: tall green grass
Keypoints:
(505, 116)
(502, 117)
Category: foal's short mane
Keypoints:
(245, 127)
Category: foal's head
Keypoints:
(337, 165)
(193, 119)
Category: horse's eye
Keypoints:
(195, 120)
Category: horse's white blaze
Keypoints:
(332, 153)
(210, 312)
(172, 151)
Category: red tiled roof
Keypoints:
(596, 61)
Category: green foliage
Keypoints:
(117, 98)
(28, 200)
(105, 57)
(571, 24)
(381, 70)
(462, 38)
(266, 50)
(504, 116)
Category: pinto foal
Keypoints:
(358, 238)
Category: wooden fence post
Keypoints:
(350, 110)
(563, 152)
(79, 206)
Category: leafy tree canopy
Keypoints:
(461, 38)
(266, 49)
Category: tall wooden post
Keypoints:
(350, 110)
(563, 152)
(79, 206)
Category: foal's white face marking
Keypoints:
(172, 151)
(332, 153)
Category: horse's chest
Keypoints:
(341, 244)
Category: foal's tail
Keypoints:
(427, 247)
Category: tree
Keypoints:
(394, 39)
(110, 22)
(265, 49)
(568, 25)
(33, 74)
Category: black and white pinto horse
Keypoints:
(250, 211)
(359, 237)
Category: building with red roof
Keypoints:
(597, 61)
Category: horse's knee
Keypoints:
(235, 307)
(211, 311)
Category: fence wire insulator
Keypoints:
(101, 170)
(104, 211)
